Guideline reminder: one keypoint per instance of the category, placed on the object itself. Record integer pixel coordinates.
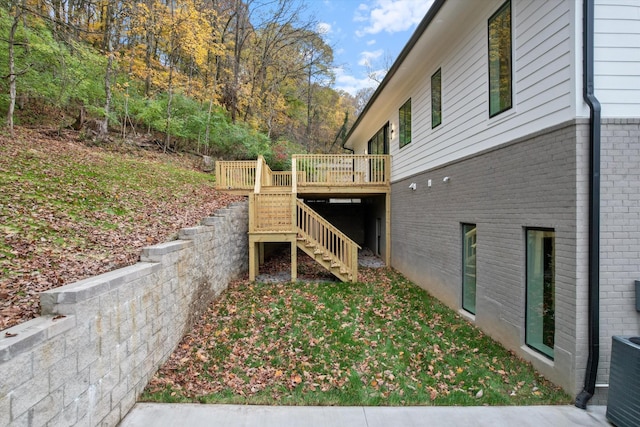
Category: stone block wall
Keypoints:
(99, 341)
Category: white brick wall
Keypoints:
(620, 234)
(99, 340)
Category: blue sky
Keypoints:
(366, 35)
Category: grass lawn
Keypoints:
(380, 342)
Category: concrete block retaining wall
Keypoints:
(98, 342)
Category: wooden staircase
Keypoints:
(282, 217)
(277, 215)
(326, 260)
(327, 245)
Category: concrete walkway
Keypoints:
(196, 415)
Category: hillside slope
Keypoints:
(69, 211)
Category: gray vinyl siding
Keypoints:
(543, 83)
(617, 57)
(542, 68)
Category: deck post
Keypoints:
(354, 264)
(261, 252)
(253, 260)
(294, 230)
(294, 174)
(258, 183)
(294, 260)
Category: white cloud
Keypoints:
(362, 13)
(367, 57)
(324, 28)
(371, 42)
(350, 83)
(391, 15)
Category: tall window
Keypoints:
(436, 98)
(379, 144)
(469, 267)
(405, 123)
(500, 81)
(540, 316)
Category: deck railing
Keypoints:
(342, 170)
(311, 170)
(236, 175)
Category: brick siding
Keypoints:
(537, 181)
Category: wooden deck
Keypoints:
(277, 215)
(313, 174)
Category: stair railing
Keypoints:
(332, 242)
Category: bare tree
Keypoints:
(108, 48)
(17, 8)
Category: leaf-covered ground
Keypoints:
(383, 341)
(69, 211)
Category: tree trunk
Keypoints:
(149, 51)
(308, 130)
(147, 61)
(207, 131)
(172, 43)
(12, 70)
(169, 100)
(104, 125)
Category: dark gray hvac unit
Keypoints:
(623, 405)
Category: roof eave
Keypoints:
(420, 29)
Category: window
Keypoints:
(379, 144)
(500, 84)
(469, 268)
(436, 98)
(405, 123)
(540, 316)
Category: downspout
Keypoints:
(594, 209)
